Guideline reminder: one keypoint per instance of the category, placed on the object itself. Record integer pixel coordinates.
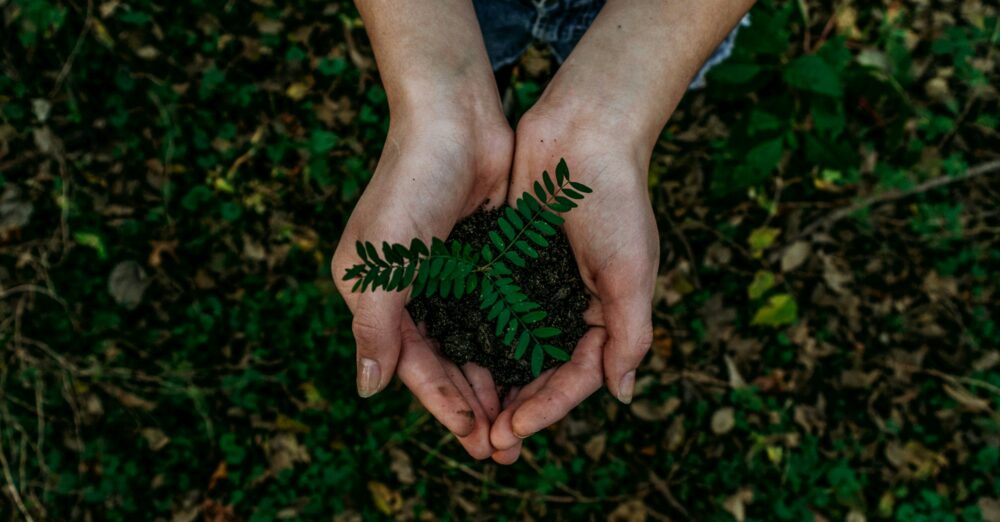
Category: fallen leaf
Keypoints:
(402, 466)
(386, 500)
(990, 509)
(650, 410)
(127, 283)
(155, 438)
(763, 281)
(15, 211)
(594, 448)
(736, 503)
(723, 420)
(762, 238)
(631, 511)
(779, 310)
(794, 256)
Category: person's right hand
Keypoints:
(434, 170)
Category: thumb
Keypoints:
(629, 323)
(376, 327)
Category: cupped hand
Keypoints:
(430, 175)
(614, 239)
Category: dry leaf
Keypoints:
(594, 448)
(723, 420)
(736, 503)
(402, 466)
(794, 256)
(127, 283)
(386, 500)
(156, 438)
(652, 411)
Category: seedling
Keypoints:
(455, 269)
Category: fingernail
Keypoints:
(626, 387)
(369, 377)
(518, 435)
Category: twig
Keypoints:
(504, 490)
(12, 491)
(68, 65)
(990, 167)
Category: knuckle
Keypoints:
(366, 330)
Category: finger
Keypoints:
(486, 391)
(476, 443)
(629, 321)
(507, 456)
(376, 329)
(422, 371)
(571, 383)
(502, 434)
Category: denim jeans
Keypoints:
(509, 26)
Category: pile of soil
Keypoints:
(465, 334)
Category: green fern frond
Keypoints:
(454, 269)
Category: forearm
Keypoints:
(431, 57)
(634, 64)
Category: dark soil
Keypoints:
(465, 334)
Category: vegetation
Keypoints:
(173, 176)
(455, 269)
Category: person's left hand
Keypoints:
(614, 239)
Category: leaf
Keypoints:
(513, 217)
(581, 187)
(539, 191)
(127, 283)
(762, 238)
(536, 238)
(780, 310)
(555, 353)
(522, 344)
(506, 228)
(502, 320)
(508, 338)
(497, 240)
(544, 228)
(546, 332)
(537, 355)
(572, 193)
(763, 281)
(794, 256)
(436, 265)
(444, 287)
(470, 283)
(549, 186)
(361, 250)
(522, 206)
(397, 276)
(553, 219)
(495, 310)
(514, 258)
(418, 248)
(533, 317)
(566, 202)
(373, 255)
(353, 272)
(389, 254)
(562, 171)
(523, 246)
(812, 73)
(411, 270)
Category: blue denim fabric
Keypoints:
(509, 26)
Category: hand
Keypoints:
(614, 239)
(433, 171)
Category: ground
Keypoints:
(174, 177)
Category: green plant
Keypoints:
(455, 269)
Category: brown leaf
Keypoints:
(402, 466)
(387, 500)
(650, 410)
(127, 283)
(736, 503)
(723, 420)
(156, 438)
(594, 448)
(794, 256)
(631, 511)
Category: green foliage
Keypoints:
(453, 269)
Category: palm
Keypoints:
(614, 239)
(424, 183)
